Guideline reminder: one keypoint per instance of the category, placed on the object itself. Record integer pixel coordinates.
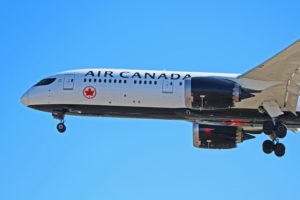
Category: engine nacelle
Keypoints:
(218, 137)
(213, 93)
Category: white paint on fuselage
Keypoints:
(117, 94)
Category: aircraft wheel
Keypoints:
(279, 149)
(61, 127)
(280, 130)
(268, 127)
(268, 146)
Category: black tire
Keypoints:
(61, 127)
(279, 149)
(268, 146)
(280, 130)
(268, 127)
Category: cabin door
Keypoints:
(167, 86)
(69, 81)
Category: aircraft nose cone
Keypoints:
(24, 99)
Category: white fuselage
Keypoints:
(115, 87)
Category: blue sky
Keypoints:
(104, 158)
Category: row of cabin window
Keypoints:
(124, 81)
(150, 82)
(104, 80)
(145, 82)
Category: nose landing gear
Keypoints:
(275, 131)
(61, 127)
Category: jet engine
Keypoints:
(218, 137)
(213, 93)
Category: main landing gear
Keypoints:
(270, 146)
(61, 127)
(275, 131)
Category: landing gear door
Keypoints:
(167, 86)
(69, 81)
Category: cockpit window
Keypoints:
(46, 81)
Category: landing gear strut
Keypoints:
(61, 127)
(275, 131)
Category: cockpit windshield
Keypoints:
(46, 81)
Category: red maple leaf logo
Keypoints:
(89, 92)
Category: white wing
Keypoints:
(278, 79)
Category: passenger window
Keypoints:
(115, 81)
(180, 83)
(100, 80)
(155, 82)
(125, 81)
(120, 81)
(150, 82)
(46, 81)
(104, 80)
(145, 82)
(95, 80)
(134, 81)
(109, 80)
(84, 80)
(90, 80)
(140, 82)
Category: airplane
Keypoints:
(225, 109)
